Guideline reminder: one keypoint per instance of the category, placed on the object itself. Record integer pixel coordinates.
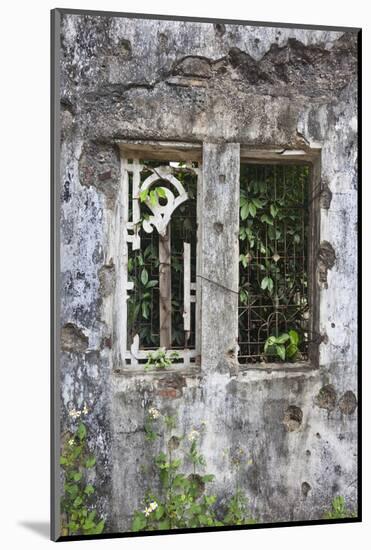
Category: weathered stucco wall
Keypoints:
(221, 85)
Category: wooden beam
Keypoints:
(187, 289)
(165, 289)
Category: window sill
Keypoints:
(300, 366)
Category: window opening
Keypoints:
(273, 307)
(161, 226)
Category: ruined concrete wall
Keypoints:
(215, 84)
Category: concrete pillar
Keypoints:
(220, 253)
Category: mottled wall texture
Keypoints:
(222, 87)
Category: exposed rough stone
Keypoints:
(99, 166)
(107, 279)
(193, 66)
(326, 398)
(326, 261)
(171, 386)
(326, 196)
(348, 403)
(305, 488)
(73, 339)
(293, 418)
(125, 49)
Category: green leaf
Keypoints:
(88, 524)
(270, 284)
(151, 284)
(145, 310)
(73, 527)
(274, 210)
(267, 219)
(244, 211)
(143, 195)
(71, 489)
(77, 502)
(77, 476)
(208, 478)
(90, 462)
(160, 510)
(243, 260)
(282, 338)
(99, 528)
(291, 351)
(161, 192)
(264, 283)
(294, 337)
(258, 203)
(89, 489)
(63, 460)
(164, 524)
(144, 276)
(252, 209)
(81, 431)
(153, 197)
(269, 343)
(281, 352)
(139, 522)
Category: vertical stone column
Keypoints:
(220, 253)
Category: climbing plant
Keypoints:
(184, 499)
(79, 515)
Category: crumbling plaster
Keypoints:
(216, 84)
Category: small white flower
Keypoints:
(71, 442)
(154, 413)
(85, 410)
(193, 435)
(150, 508)
(74, 413)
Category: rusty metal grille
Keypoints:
(273, 273)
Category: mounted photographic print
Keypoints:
(204, 281)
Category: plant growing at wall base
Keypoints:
(183, 501)
(78, 514)
(339, 510)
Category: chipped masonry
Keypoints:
(218, 85)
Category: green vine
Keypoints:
(77, 505)
(184, 500)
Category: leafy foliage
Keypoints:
(79, 516)
(273, 260)
(339, 510)
(237, 511)
(183, 501)
(143, 265)
(160, 359)
(275, 346)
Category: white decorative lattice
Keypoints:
(162, 213)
